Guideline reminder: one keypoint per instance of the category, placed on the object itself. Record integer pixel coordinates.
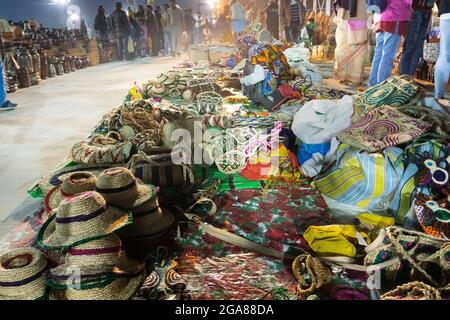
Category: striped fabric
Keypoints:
(361, 179)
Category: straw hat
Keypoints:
(170, 80)
(161, 78)
(148, 219)
(101, 257)
(158, 89)
(120, 188)
(22, 274)
(111, 289)
(79, 219)
(75, 183)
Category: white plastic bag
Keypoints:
(297, 53)
(318, 121)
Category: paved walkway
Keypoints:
(54, 115)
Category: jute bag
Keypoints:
(159, 170)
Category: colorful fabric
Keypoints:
(271, 58)
(362, 179)
(276, 218)
(395, 91)
(381, 128)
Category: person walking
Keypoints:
(152, 30)
(140, 18)
(442, 68)
(4, 103)
(165, 23)
(238, 17)
(272, 18)
(136, 33)
(415, 38)
(392, 26)
(122, 28)
(101, 26)
(176, 27)
(292, 18)
(189, 25)
(158, 14)
(351, 41)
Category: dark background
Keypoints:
(47, 13)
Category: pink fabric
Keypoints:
(357, 24)
(397, 10)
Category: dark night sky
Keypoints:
(48, 14)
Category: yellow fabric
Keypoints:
(376, 220)
(332, 239)
(285, 164)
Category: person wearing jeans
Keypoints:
(442, 68)
(165, 23)
(417, 32)
(392, 25)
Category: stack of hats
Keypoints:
(75, 183)
(167, 85)
(22, 274)
(120, 188)
(95, 265)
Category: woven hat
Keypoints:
(170, 80)
(158, 89)
(161, 78)
(148, 219)
(79, 219)
(22, 274)
(120, 188)
(101, 257)
(75, 183)
(111, 289)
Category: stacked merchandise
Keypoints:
(289, 191)
(93, 53)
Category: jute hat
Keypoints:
(79, 219)
(75, 183)
(148, 219)
(101, 257)
(159, 89)
(119, 187)
(22, 274)
(161, 78)
(112, 289)
(170, 80)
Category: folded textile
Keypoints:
(383, 127)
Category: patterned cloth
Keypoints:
(271, 58)
(381, 128)
(396, 91)
(275, 217)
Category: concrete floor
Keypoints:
(54, 115)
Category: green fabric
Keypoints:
(228, 182)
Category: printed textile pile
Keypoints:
(246, 182)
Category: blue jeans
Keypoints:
(413, 44)
(167, 42)
(122, 44)
(2, 84)
(383, 60)
(442, 69)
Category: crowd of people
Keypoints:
(168, 30)
(407, 19)
(147, 30)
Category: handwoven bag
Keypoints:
(431, 51)
(404, 255)
(101, 150)
(159, 170)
